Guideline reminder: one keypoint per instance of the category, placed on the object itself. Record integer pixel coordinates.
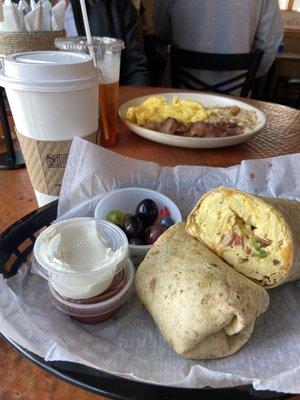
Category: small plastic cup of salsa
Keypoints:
(103, 306)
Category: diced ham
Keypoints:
(264, 242)
(248, 250)
(226, 240)
(239, 240)
(232, 239)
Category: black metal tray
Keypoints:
(16, 244)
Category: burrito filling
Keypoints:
(246, 232)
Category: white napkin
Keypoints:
(11, 22)
(47, 16)
(1, 11)
(34, 19)
(58, 15)
(23, 7)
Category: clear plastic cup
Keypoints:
(107, 52)
(99, 308)
(80, 256)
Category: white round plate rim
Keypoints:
(193, 142)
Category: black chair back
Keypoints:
(248, 63)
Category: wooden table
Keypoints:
(287, 55)
(19, 378)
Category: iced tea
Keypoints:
(109, 96)
(107, 57)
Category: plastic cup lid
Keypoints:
(79, 43)
(81, 250)
(49, 71)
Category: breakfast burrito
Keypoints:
(203, 308)
(257, 236)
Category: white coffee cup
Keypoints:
(53, 96)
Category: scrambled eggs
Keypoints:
(157, 109)
(246, 231)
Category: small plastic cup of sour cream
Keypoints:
(80, 256)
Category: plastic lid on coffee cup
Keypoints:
(49, 71)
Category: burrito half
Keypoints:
(257, 236)
(203, 308)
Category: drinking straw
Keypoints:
(90, 46)
(87, 30)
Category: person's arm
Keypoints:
(162, 19)
(269, 34)
(134, 71)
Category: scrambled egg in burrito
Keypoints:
(158, 109)
(202, 306)
(257, 236)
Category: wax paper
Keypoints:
(130, 345)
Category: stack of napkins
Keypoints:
(33, 17)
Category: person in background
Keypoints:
(218, 26)
(118, 19)
(143, 18)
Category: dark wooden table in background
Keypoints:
(21, 379)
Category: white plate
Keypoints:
(208, 100)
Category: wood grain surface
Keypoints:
(20, 378)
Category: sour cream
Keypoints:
(77, 248)
(80, 256)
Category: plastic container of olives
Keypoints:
(126, 200)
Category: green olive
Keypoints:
(116, 217)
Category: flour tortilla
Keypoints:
(203, 308)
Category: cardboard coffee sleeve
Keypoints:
(46, 161)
